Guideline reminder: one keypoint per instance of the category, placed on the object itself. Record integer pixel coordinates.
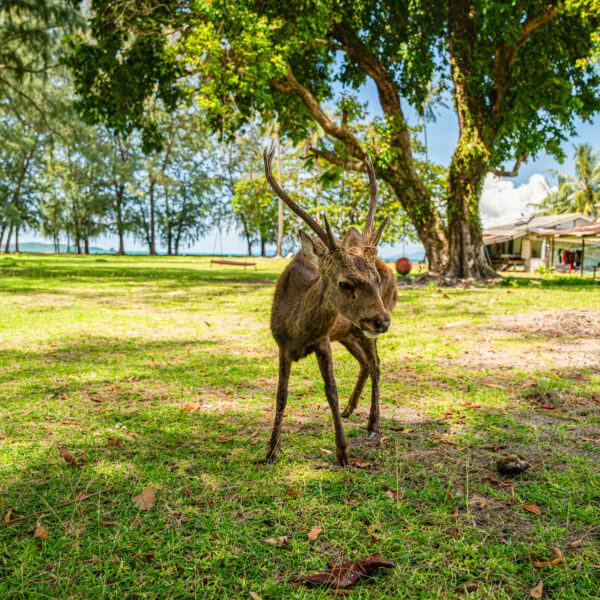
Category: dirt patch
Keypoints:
(553, 323)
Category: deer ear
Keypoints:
(352, 239)
(312, 247)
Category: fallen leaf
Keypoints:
(347, 480)
(549, 563)
(221, 422)
(107, 523)
(223, 439)
(361, 464)
(406, 431)
(472, 586)
(293, 494)
(299, 413)
(325, 451)
(254, 442)
(115, 443)
(482, 503)
(144, 555)
(394, 494)
(536, 592)
(448, 442)
(269, 415)
(189, 408)
(40, 532)
(67, 456)
(384, 439)
(454, 532)
(202, 502)
(255, 596)
(145, 500)
(375, 538)
(349, 573)
(278, 541)
(10, 514)
(313, 534)
(533, 508)
(574, 544)
(187, 490)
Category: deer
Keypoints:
(332, 291)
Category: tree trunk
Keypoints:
(6, 249)
(120, 228)
(465, 179)
(2, 231)
(168, 222)
(262, 246)
(152, 237)
(425, 218)
(16, 238)
(86, 244)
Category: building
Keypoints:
(534, 241)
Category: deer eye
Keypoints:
(344, 285)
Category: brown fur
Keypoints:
(310, 309)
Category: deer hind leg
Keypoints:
(370, 349)
(354, 347)
(323, 354)
(285, 365)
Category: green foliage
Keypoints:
(580, 193)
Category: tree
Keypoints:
(515, 72)
(580, 193)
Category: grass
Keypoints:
(97, 349)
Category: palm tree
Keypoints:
(580, 193)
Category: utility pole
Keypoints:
(280, 203)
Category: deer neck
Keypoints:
(316, 312)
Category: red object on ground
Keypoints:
(403, 266)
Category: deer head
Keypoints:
(347, 268)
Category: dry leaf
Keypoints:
(254, 442)
(384, 439)
(71, 423)
(115, 443)
(67, 456)
(10, 514)
(375, 538)
(145, 500)
(448, 442)
(40, 532)
(293, 494)
(325, 451)
(187, 490)
(536, 592)
(221, 422)
(406, 431)
(255, 596)
(468, 587)
(482, 503)
(347, 480)
(144, 555)
(349, 573)
(223, 439)
(107, 523)
(361, 464)
(574, 544)
(190, 408)
(278, 541)
(533, 508)
(313, 534)
(455, 532)
(395, 494)
(549, 563)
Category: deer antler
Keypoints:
(372, 239)
(326, 236)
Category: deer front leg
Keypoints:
(354, 347)
(370, 347)
(285, 365)
(323, 354)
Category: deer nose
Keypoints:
(381, 325)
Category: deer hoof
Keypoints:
(270, 459)
(346, 413)
(371, 434)
(343, 457)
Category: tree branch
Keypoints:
(341, 133)
(336, 159)
(501, 173)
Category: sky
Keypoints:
(502, 201)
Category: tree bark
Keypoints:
(86, 245)
(16, 238)
(262, 247)
(6, 248)
(4, 224)
(151, 236)
(119, 189)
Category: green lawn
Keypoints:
(161, 373)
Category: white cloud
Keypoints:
(502, 202)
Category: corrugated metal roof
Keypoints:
(589, 229)
(537, 224)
